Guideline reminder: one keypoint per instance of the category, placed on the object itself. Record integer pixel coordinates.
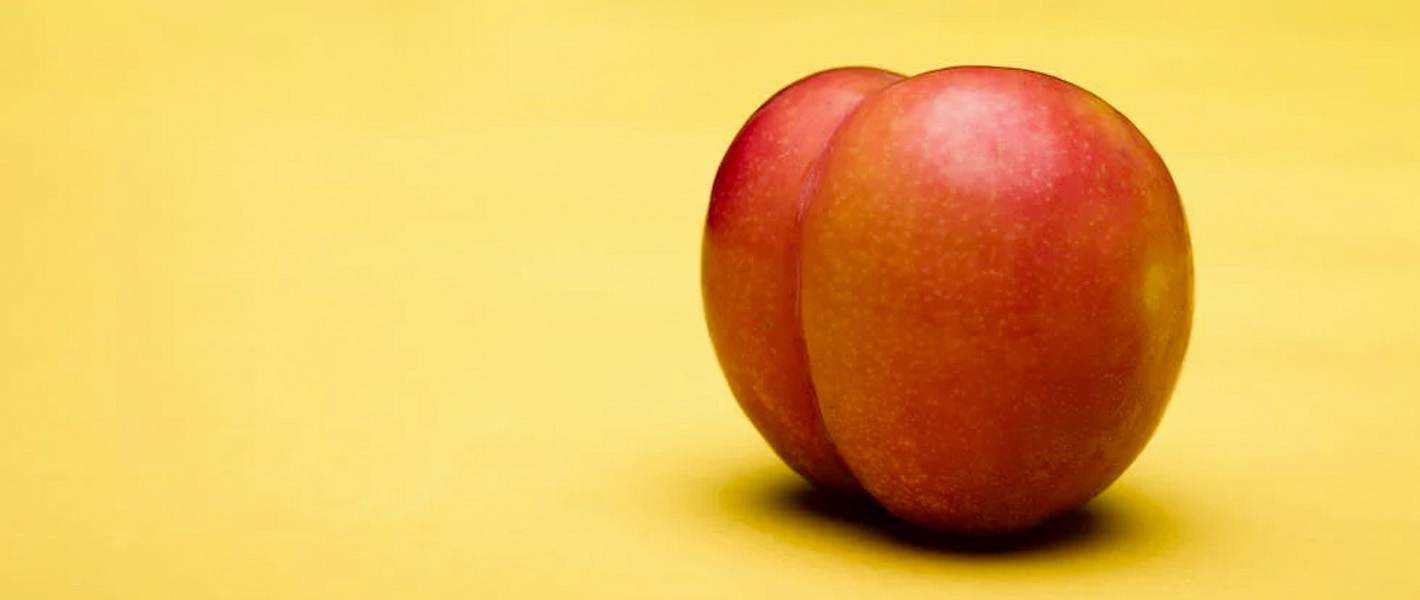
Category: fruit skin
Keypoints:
(996, 295)
(749, 262)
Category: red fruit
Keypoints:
(996, 294)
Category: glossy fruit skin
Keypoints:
(995, 294)
(749, 263)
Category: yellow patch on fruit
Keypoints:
(1107, 120)
(1156, 283)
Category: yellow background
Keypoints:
(399, 299)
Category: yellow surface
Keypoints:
(382, 299)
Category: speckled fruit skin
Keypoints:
(996, 296)
(749, 263)
(968, 293)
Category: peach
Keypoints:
(977, 302)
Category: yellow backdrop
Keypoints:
(399, 299)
